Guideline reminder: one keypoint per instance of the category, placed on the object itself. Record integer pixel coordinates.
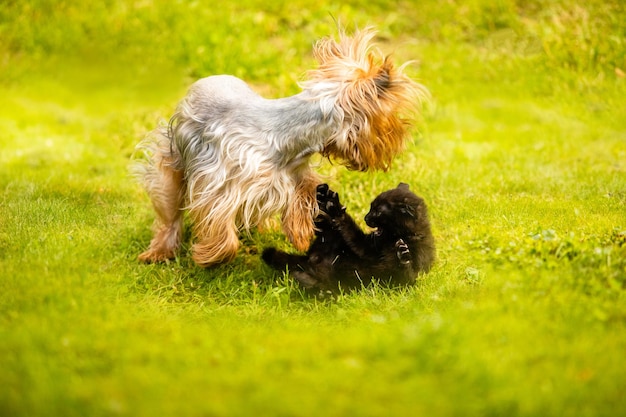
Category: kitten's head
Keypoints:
(398, 211)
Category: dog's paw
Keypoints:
(402, 252)
(156, 256)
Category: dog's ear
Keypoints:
(403, 186)
(382, 79)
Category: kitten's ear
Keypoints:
(407, 209)
(403, 186)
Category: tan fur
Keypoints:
(298, 218)
(378, 95)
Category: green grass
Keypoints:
(521, 157)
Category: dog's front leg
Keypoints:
(298, 217)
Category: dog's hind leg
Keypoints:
(298, 217)
(165, 187)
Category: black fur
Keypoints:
(343, 256)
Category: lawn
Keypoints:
(521, 157)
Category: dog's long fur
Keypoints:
(234, 159)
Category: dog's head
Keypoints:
(370, 99)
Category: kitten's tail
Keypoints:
(277, 259)
(271, 256)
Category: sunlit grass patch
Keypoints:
(520, 158)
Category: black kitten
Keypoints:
(343, 256)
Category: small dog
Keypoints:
(343, 257)
(233, 159)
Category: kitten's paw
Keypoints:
(305, 279)
(320, 192)
(402, 252)
(328, 201)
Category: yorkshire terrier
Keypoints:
(234, 159)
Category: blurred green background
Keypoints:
(521, 157)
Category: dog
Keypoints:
(234, 159)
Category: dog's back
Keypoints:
(222, 88)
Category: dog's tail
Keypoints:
(155, 149)
(142, 158)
